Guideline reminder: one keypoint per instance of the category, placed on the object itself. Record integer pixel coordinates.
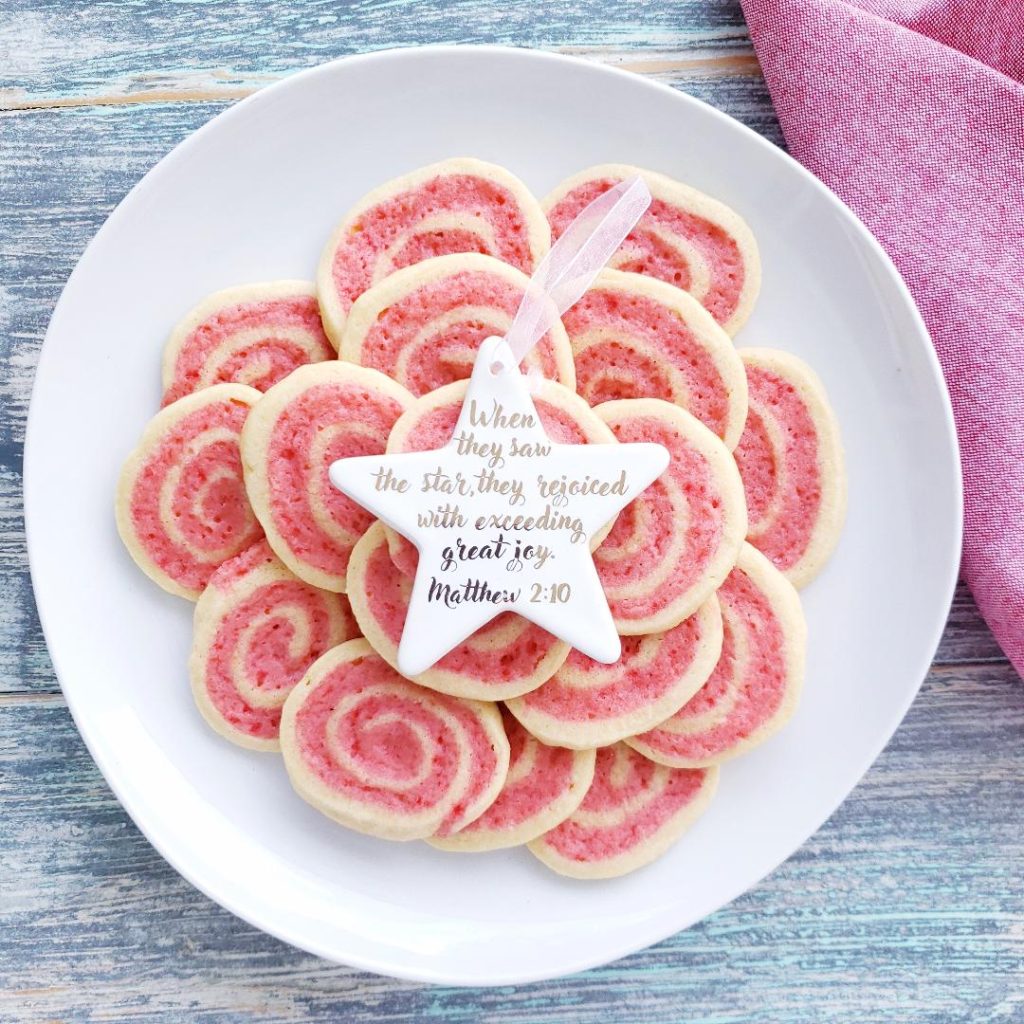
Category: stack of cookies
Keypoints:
(301, 597)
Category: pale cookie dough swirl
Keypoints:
(671, 547)
(314, 416)
(423, 325)
(460, 205)
(544, 786)
(636, 337)
(632, 813)
(790, 458)
(430, 422)
(685, 238)
(255, 334)
(507, 657)
(755, 685)
(257, 630)
(587, 704)
(181, 504)
(384, 756)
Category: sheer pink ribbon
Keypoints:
(578, 256)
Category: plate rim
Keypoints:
(139, 812)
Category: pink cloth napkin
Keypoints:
(913, 113)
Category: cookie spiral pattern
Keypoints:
(460, 205)
(544, 786)
(587, 704)
(314, 416)
(257, 630)
(376, 752)
(756, 684)
(685, 238)
(423, 325)
(227, 500)
(181, 504)
(632, 813)
(256, 335)
(790, 458)
(507, 657)
(637, 337)
(671, 547)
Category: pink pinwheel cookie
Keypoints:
(636, 337)
(587, 704)
(507, 657)
(423, 324)
(255, 334)
(317, 414)
(381, 755)
(181, 504)
(257, 629)
(544, 786)
(686, 238)
(430, 422)
(791, 460)
(673, 546)
(756, 683)
(632, 813)
(460, 205)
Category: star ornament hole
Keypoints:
(520, 512)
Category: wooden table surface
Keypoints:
(907, 906)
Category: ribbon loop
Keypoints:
(578, 256)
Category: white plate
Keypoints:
(252, 196)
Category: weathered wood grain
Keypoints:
(63, 52)
(907, 905)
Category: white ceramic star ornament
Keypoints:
(503, 517)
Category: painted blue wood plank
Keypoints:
(54, 48)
